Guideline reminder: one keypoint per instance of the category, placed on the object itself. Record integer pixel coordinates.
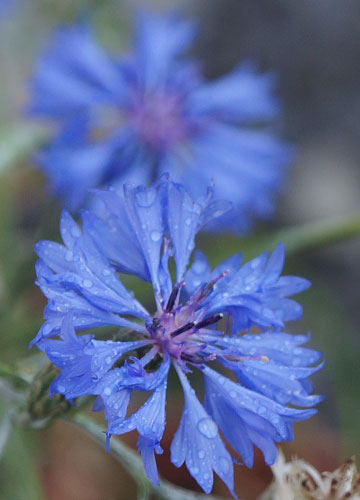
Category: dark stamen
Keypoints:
(211, 284)
(209, 321)
(173, 296)
(182, 329)
(197, 361)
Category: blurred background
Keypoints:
(314, 47)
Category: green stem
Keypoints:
(132, 463)
(319, 234)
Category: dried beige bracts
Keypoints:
(298, 480)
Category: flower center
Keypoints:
(177, 328)
(159, 120)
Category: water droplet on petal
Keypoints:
(188, 221)
(201, 454)
(207, 428)
(87, 283)
(107, 391)
(155, 236)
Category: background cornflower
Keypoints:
(137, 233)
(151, 111)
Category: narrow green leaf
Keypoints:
(298, 239)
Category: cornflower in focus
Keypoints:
(201, 323)
(151, 111)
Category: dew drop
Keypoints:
(207, 428)
(61, 389)
(87, 283)
(107, 391)
(201, 454)
(155, 236)
(217, 213)
(261, 410)
(188, 221)
(106, 272)
(233, 394)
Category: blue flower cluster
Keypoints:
(134, 117)
(226, 324)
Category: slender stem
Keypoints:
(298, 239)
(314, 235)
(132, 463)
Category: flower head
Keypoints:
(201, 322)
(134, 117)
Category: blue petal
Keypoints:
(198, 444)
(256, 294)
(263, 415)
(74, 72)
(198, 274)
(159, 41)
(281, 383)
(280, 347)
(83, 269)
(62, 300)
(149, 421)
(83, 361)
(114, 236)
(145, 211)
(185, 217)
(240, 95)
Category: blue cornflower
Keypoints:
(141, 232)
(131, 118)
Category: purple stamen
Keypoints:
(182, 329)
(173, 296)
(209, 321)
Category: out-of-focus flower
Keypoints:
(137, 233)
(136, 116)
(298, 480)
